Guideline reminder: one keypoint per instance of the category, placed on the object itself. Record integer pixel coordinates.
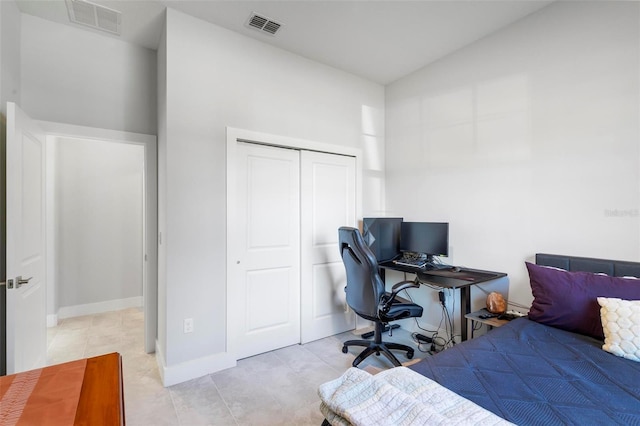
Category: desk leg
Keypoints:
(465, 308)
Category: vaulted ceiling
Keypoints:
(379, 40)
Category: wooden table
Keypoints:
(84, 392)
(491, 322)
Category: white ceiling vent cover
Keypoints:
(95, 16)
(263, 24)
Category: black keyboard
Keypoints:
(419, 262)
(413, 263)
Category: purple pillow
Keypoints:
(567, 300)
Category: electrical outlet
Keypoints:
(188, 325)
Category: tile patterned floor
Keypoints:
(275, 388)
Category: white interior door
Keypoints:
(265, 292)
(328, 202)
(26, 303)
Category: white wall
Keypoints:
(98, 222)
(70, 75)
(9, 54)
(526, 141)
(216, 78)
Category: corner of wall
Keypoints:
(192, 369)
(161, 100)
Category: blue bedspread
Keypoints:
(531, 374)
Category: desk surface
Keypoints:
(447, 278)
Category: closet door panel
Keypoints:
(328, 201)
(265, 294)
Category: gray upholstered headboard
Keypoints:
(614, 268)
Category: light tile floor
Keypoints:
(275, 388)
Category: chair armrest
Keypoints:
(386, 303)
(398, 287)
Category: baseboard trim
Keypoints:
(172, 375)
(99, 307)
(52, 320)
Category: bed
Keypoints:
(551, 368)
(83, 392)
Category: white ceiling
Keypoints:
(378, 40)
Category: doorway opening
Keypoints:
(101, 237)
(98, 225)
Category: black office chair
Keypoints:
(367, 297)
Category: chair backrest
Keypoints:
(364, 284)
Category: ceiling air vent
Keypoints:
(95, 16)
(263, 24)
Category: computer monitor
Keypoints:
(382, 235)
(429, 238)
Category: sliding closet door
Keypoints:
(264, 299)
(328, 202)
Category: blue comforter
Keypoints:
(531, 374)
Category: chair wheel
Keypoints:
(410, 354)
(345, 349)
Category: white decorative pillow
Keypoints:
(621, 326)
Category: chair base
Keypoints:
(378, 347)
(387, 327)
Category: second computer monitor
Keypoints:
(430, 238)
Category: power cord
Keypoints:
(436, 342)
(444, 343)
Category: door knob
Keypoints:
(22, 281)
